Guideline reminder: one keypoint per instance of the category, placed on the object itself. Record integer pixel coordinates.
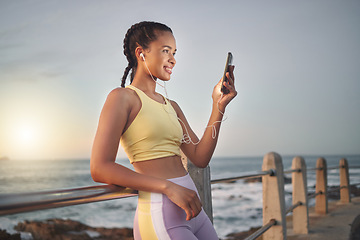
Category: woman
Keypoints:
(152, 130)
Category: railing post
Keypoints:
(201, 178)
(273, 197)
(344, 181)
(321, 200)
(299, 184)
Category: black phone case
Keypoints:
(228, 63)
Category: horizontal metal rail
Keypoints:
(292, 170)
(330, 168)
(335, 167)
(25, 202)
(314, 169)
(248, 175)
(290, 209)
(335, 189)
(262, 230)
(314, 194)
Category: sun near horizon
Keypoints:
(42, 136)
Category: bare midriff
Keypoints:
(165, 168)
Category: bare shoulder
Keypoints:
(174, 104)
(176, 108)
(120, 99)
(122, 95)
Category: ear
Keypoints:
(139, 53)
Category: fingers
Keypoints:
(186, 199)
(222, 98)
(194, 208)
(189, 214)
(231, 72)
(230, 84)
(230, 75)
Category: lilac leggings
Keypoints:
(158, 218)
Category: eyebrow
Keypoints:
(169, 47)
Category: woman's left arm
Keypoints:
(201, 152)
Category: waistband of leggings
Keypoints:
(178, 180)
(146, 197)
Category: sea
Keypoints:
(236, 206)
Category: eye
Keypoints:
(166, 50)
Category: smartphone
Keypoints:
(224, 79)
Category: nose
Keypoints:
(172, 59)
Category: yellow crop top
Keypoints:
(155, 131)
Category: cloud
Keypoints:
(11, 72)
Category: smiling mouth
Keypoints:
(168, 69)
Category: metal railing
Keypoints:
(25, 202)
(322, 192)
(247, 175)
(262, 230)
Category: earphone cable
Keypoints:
(186, 137)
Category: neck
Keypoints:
(144, 82)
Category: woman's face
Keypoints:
(159, 56)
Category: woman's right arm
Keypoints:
(113, 119)
(112, 122)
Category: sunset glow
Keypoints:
(27, 135)
(296, 73)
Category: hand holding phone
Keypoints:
(225, 79)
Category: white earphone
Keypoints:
(142, 56)
(186, 137)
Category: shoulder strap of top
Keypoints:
(140, 93)
(134, 88)
(145, 97)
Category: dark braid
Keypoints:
(139, 34)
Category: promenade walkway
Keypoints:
(336, 225)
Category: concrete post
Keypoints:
(201, 178)
(299, 184)
(344, 181)
(273, 197)
(321, 200)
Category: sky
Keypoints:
(297, 72)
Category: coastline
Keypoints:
(59, 229)
(238, 205)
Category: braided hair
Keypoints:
(139, 34)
